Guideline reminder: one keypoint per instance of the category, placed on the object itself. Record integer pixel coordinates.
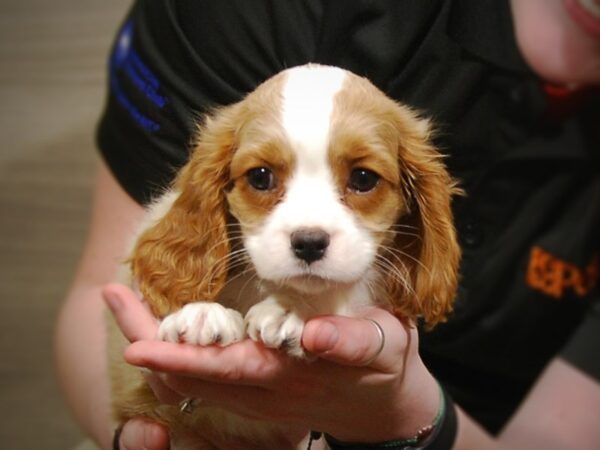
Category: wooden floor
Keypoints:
(52, 75)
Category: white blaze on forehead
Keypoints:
(307, 105)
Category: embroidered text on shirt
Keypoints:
(553, 276)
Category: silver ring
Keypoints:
(188, 405)
(381, 344)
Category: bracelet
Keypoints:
(439, 435)
(115, 442)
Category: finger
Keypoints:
(243, 363)
(134, 319)
(163, 393)
(141, 434)
(253, 402)
(357, 341)
(209, 393)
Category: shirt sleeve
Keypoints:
(172, 62)
(583, 349)
(146, 125)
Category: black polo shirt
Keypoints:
(529, 223)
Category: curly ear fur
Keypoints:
(434, 257)
(183, 257)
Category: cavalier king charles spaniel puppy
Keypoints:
(316, 194)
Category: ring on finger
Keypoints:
(381, 335)
(188, 405)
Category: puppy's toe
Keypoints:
(203, 323)
(274, 326)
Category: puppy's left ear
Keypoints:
(433, 258)
(184, 256)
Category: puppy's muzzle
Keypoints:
(309, 244)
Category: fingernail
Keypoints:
(326, 336)
(113, 301)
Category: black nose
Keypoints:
(309, 244)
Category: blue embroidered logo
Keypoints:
(123, 45)
(125, 60)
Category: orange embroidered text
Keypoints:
(552, 276)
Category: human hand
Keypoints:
(142, 434)
(391, 397)
(136, 323)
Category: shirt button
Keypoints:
(471, 233)
(516, 96)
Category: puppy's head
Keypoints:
(329, 181)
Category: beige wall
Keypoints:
(52, 74)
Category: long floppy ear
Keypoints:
(433, 257)
(184, 256)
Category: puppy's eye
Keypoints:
(261, 178)
(362, 180)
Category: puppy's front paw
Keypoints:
(276, 327)
(203, 323)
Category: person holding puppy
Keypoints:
(508, 87)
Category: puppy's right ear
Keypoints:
(433, 255)
(184, 256)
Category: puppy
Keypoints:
(316, 194)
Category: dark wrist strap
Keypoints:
(442, 436)
(115, 442)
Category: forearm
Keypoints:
(471, 436)
(80, 338)
(80, 353)
(561, 412)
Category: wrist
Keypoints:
(414, 405)
(440, 434)
(420, 404)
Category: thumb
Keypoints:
(377, 340)
(138, 434)
(133, 317)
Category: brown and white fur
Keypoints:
(316, 194)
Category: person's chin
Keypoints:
(555, 42)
